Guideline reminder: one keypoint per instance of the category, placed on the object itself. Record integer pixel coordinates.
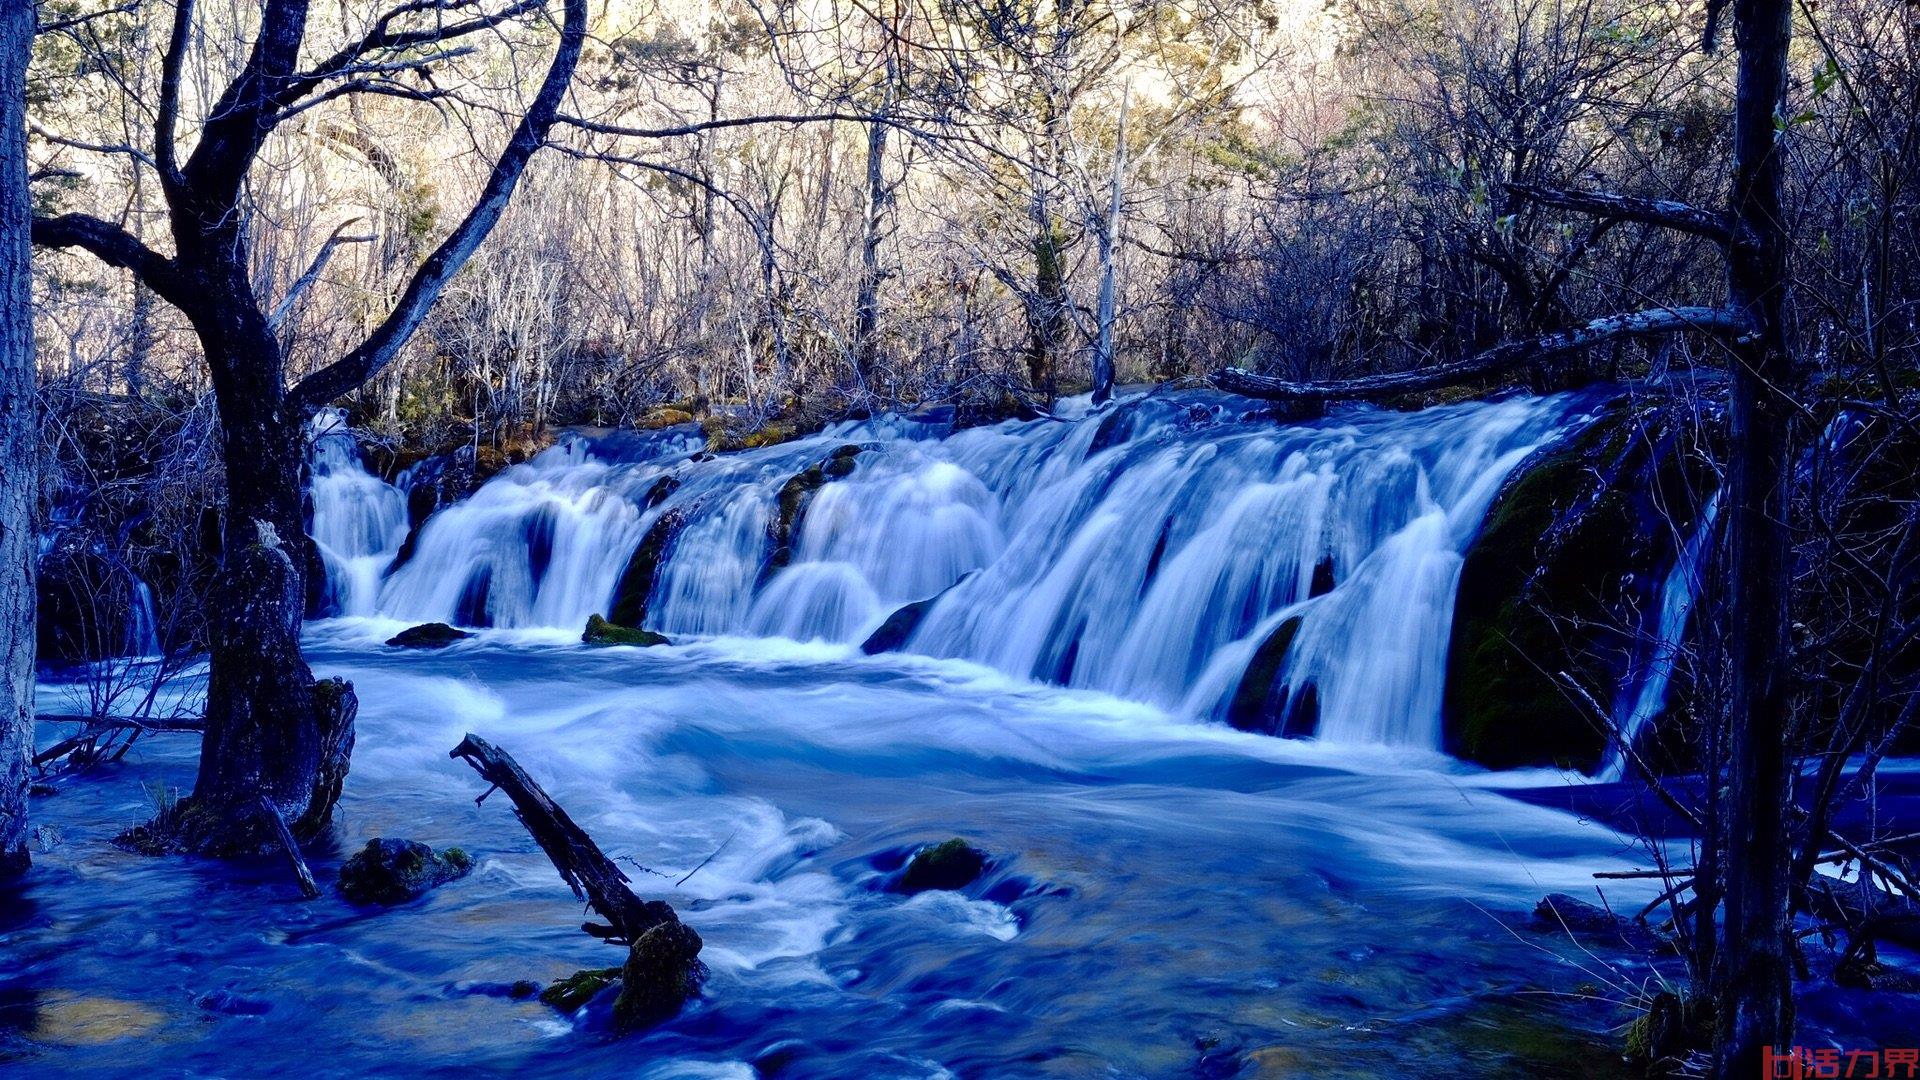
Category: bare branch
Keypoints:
(169, 112)
(354, 369)
(305, 281)
(1718, 322)
(116, 247)
(69, 23)
(1665, 213)
(133, 152)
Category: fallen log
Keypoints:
(1865, 908)
(663, 969)
(1719, 322)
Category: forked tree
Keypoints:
(276, 744)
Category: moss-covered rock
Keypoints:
(950, 864)
(1560, 579)
(792, 502)
(663, 417)
(635, 590)
(395, 871)
(433, 635)
(570, 993)
(601, 632)
(662, 973)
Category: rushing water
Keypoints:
(1144, 552)
(1644, 693)
(1167, 896)
(359, 520)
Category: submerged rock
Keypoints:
(570, 993)
(899, 626)
(1262, 702)
(893, 633)
(601, 632)
(1559, 913)
(662, 973)
(394, 871)
(433, 635)
(950, 864)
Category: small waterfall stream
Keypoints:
(359, 520)
(1644, 694)
(1144, 550)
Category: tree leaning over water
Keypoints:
(276, 742)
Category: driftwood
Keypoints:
(300, 872)
(592, 876)
(663, 969)
(1719, 322)
(1866, 908)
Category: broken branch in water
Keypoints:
(592, 876)
(279, 821)
(663, 969)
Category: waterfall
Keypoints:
(1644, 694)
(359, 520)
(1145, 549)
(143, 632)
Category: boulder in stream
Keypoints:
(951, 864)
(601, 632)
(395, 871)
(433, 635)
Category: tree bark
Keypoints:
(1756, 987)
(19, 438)
(1109, 233)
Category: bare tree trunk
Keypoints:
(1756, 974)
(879, 205)
(1047, 313)
(18, 438)
(1109, 253)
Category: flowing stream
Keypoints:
(1144, 552)
(1166, 896)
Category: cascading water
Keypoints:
(1144, 550)
(1151, 880)
(143, 628)
(359, 520)
(1644, 694)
